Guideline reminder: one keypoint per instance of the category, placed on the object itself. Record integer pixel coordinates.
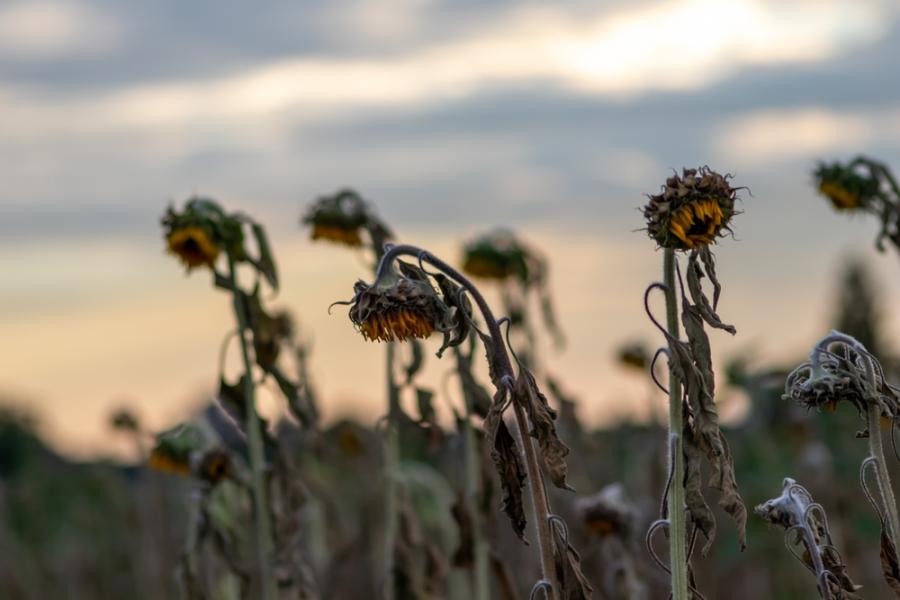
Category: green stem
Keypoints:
(391, 465)
(677, 520)
(876, 450)
(255, 446)
(480, 582)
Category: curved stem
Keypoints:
(255, 446)
(391, 464)
(876, 450)
(873, 419)
(677, 520)
(539, 501)
(480, 577)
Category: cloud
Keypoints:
(39, 30)
(773, 135)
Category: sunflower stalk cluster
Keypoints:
(198, 235)
(690, 212)
(863, 185)
(388, 301)
(806, 527)
(345, 218)
(841, 370)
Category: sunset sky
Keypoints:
(452, 117)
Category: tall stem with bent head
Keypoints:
(263, 527)
(677, 520)
(505, 375)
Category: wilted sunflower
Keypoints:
(845, 187)
(342, 218)
(199, 232)
(691, 210)
(398, 308)
(194, 246)
(498, 255)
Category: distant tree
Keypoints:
(858, 310)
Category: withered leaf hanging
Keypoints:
(543, 428)
(505, 455)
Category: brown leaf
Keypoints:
(889, 564)
(505, 455)
(543, 429)
(695, 273)
(699, 381)
(574, 584)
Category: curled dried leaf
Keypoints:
(505, 455)
(543, 429)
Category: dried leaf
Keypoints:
(476, 397)
(462, 312)
(701, 515)
(424, 399)
(415, 361)
(505, 455)
(699, 381)
(574, 584)
(543, 429)
(266, 262)
(695, 273)
(890, 567)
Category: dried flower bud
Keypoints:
(398, 308)
(691, 210)
(846, 188)
(804, 520)
(341, 218)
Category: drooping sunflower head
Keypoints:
(342, 218)
(845, 187)
(399, 307)
(691, 210)
(174, 449)
(499, 255)
(200, 232)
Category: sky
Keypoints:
(452, 118)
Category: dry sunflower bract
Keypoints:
(691, 210)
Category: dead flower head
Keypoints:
(691, 210)
(840, 369)
(500, 255)
(398, 307)
(342, 218)
(848, 189)
(200, 232)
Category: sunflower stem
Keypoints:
(480, 580)
(676, 514)
(262, 525)
(540, 505)
(391, 464)
(885, 491)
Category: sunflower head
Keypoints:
(174, 448)
(691, 210)
(634, 356)
(200, 232)
(342, 219)
(399, 307)
(845, 187)
(498, 255)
